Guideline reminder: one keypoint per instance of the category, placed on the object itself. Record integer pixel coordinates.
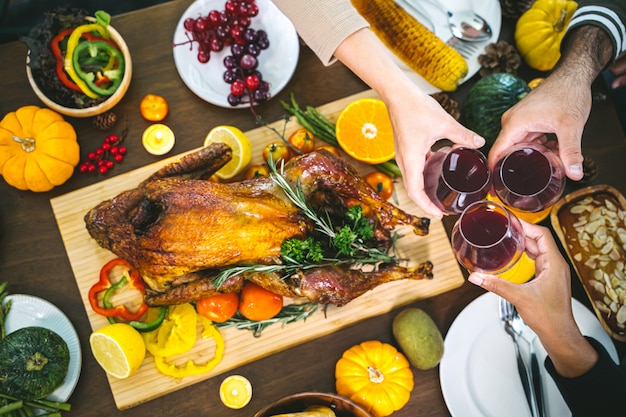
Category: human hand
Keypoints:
(544, 302)
(557, 106)
(418, 122)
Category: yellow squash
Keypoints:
(38, 149)
(540, 30)
(376, 376)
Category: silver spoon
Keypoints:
(464, 24)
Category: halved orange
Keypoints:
(364, 131)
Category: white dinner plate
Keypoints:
(488, 9)
(28, 310)
(478, 371)
(277, 63)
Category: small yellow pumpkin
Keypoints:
(376, 376)
(540, 30)
(38, 149)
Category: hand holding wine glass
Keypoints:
(455, 177)
(530, 178)
(487, 238)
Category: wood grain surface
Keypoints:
(86, 258)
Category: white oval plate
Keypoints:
(28, 310)
(478, 371)
(277, 63)
(488, 9)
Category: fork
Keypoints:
(535, 373)
(507, 312)
(466, 49)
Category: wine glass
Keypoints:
(530, 178)
(487, 238)
(456, 177)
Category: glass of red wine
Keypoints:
(455, 177)
(530, 178)
(487, 238)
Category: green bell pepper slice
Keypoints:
(85, 58)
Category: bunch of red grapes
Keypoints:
(230, 28)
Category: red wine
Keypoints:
(456, 178)
(487, 239)
(529, 178)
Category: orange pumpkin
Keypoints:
(153, 107)
(376, 376)
(38, 149)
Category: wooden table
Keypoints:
(33, 259)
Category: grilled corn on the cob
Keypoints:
(419, 48)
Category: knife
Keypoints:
(535, 375)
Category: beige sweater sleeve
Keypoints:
(322, 24)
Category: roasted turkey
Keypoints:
(179, 229)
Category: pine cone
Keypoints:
(499, 57)
(448, 104)
(105, 121)
(590, 169)
(513, 9)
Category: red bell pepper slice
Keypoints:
(104, 283)
(55, 45)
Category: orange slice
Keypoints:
(364, 131)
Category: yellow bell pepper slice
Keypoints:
(72, 42)
(209, 331)
(177, 334)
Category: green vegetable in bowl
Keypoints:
(33, 362)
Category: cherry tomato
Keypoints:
(153, 107)
(279, 150)
(383, 184)
(257, 303)
(256, 171)
(219, 307)
(303, 140)
(332, 149)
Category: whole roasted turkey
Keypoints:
(180, 229)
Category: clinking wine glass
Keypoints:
(529, 179)
(455, 177)
(487, 238)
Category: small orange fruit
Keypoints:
(257, 303)
(153, 107)
(219, 307)
(364, 131)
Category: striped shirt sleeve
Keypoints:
(610, 15)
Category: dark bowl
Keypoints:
(342, 406)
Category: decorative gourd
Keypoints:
(38, 149)
(488, 99)
(539, 31)
(376, 376)
(33, 362)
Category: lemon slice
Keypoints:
(240, 144)
(235, 392)
(118, 348)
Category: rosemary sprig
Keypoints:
(289, 314)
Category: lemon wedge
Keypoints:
(235, 391)
(239, 143)
(118, 348)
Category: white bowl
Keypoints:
(102, 107)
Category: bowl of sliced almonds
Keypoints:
(591, 225)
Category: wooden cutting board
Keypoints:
(241, 347)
